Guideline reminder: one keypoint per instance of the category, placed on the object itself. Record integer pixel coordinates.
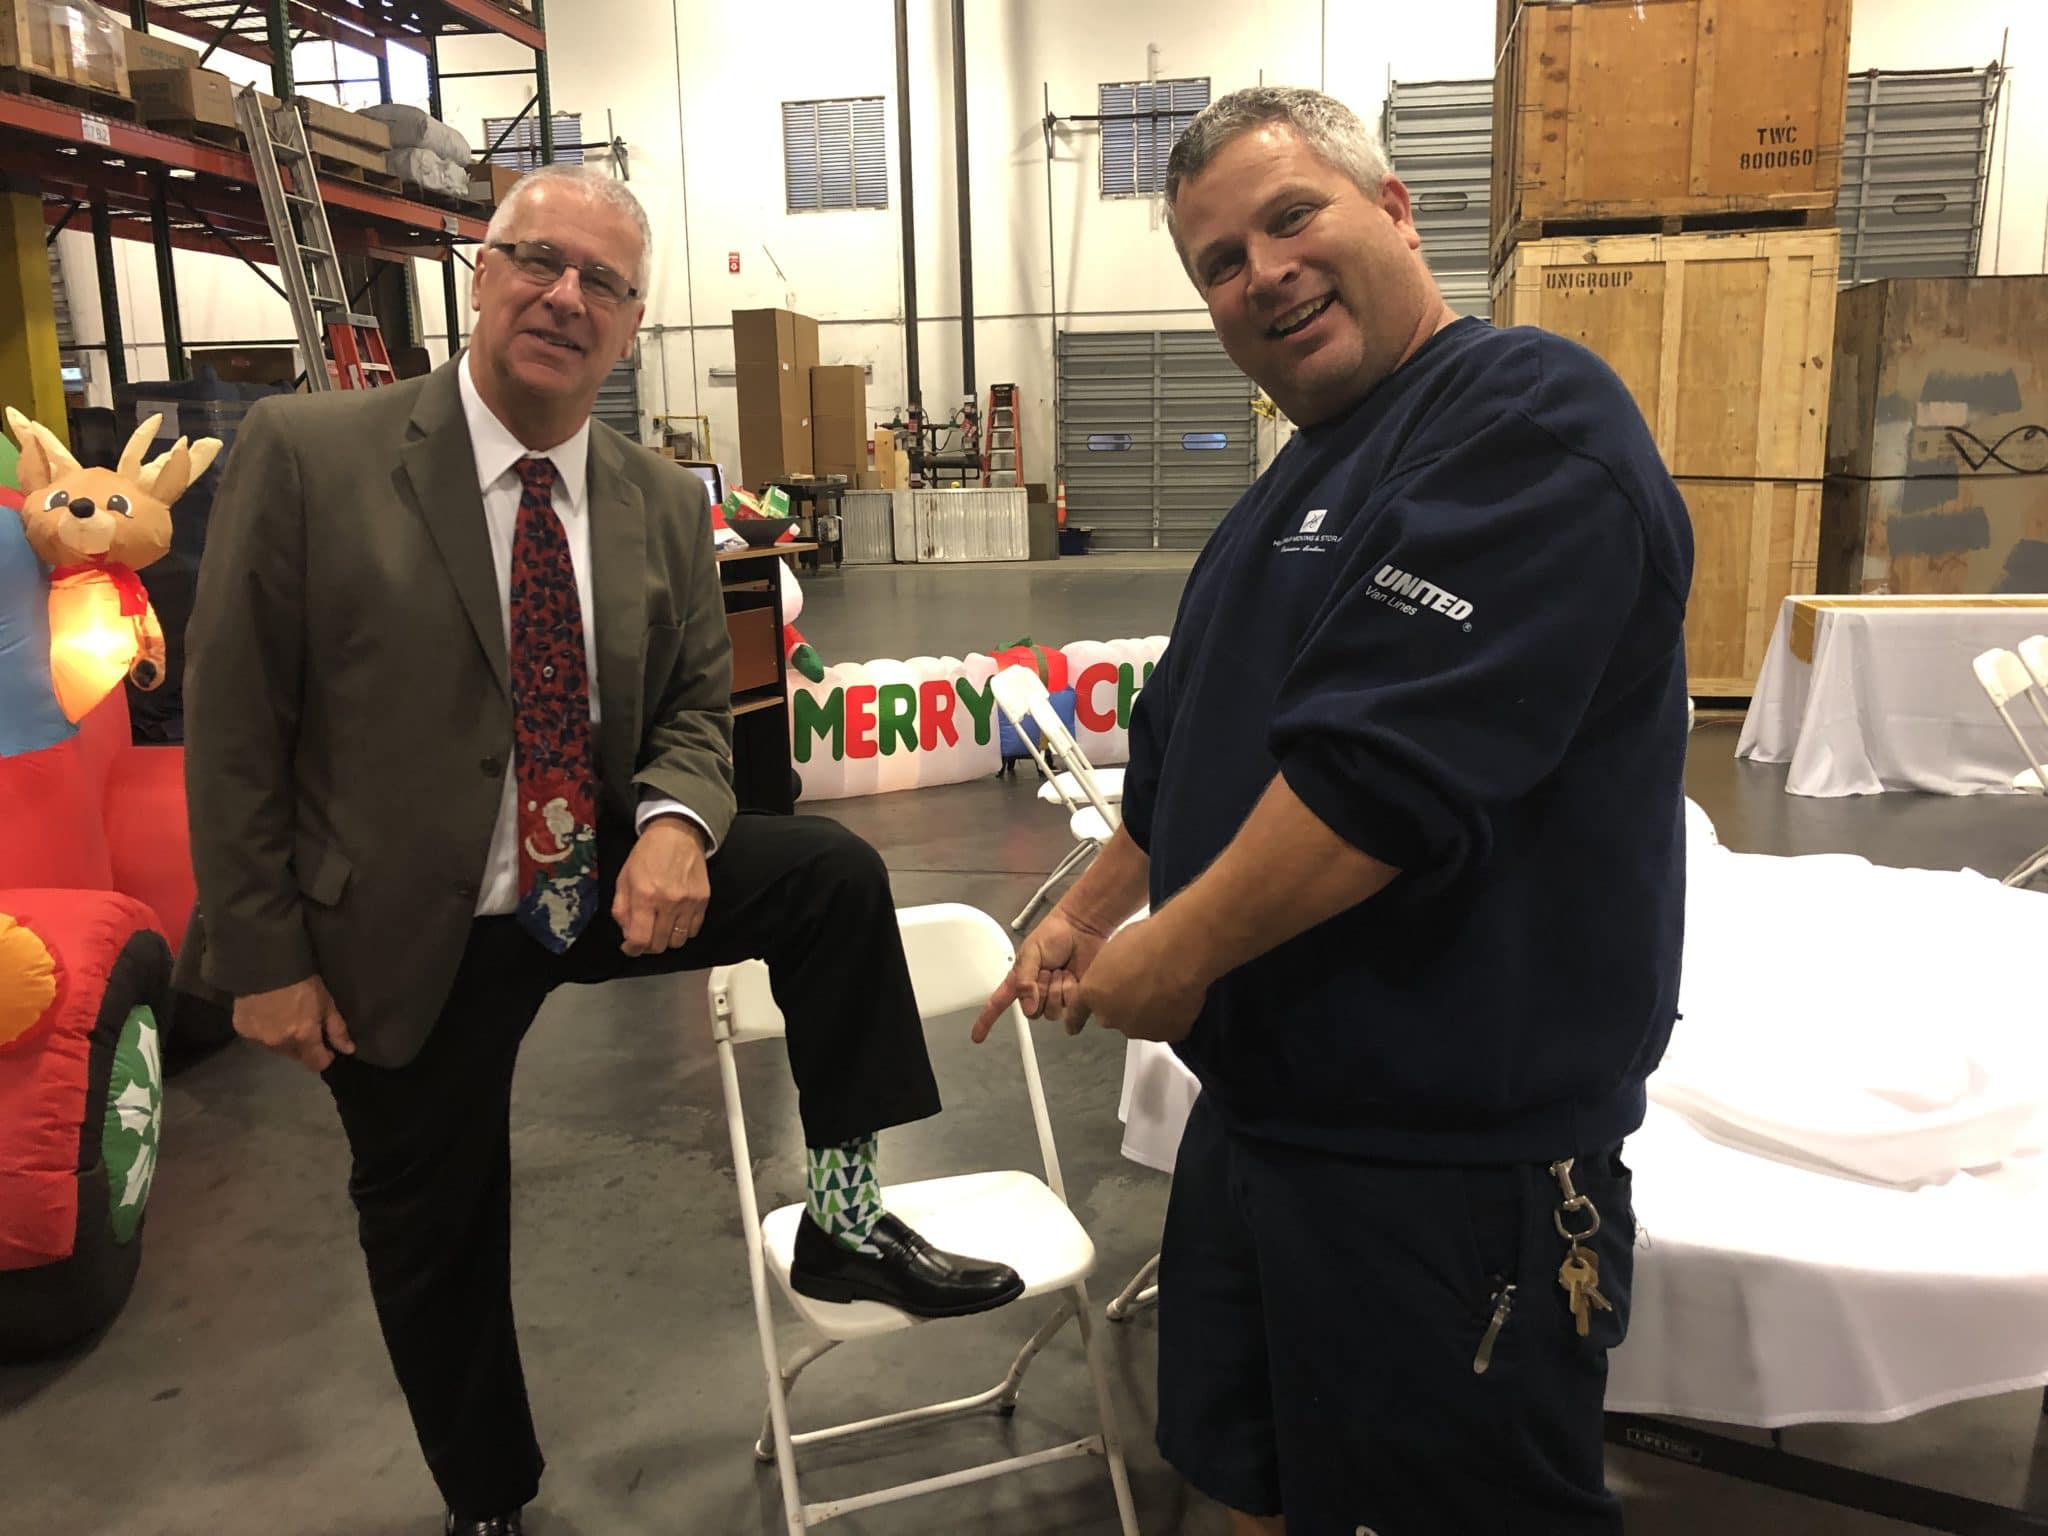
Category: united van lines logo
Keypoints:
(1411, 594)
(1314, 520)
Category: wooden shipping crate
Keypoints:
(1611, 110)
(1754, 545)
(1726, 340)
(72, 44)
(1937, 452)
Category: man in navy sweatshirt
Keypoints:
(1405, 798)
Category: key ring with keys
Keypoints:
(1574, 1202)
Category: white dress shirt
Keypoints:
(498, 454)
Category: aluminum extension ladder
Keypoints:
(306, 256)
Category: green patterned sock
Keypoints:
(843, 1194)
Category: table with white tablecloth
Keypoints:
(1866, 694)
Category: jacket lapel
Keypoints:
(439, 464)
(618, 580)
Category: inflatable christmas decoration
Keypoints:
(1051, 667)
(741, 507)
(84, 976)
(95, 873)
(94, 529)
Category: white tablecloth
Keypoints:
(1889, 700)
(1771, 1294)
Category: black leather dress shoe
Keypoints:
(497, 1525)
(908, 1274)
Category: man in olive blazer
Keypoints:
(458, 732)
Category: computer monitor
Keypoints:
(708, 472)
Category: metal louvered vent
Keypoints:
(834, 154)
(1136, 143)
(1916, 154)
(1438, 135)
(521, 149)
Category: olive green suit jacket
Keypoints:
(347, 702)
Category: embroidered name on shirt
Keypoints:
(1394, 584)
(1309, 539)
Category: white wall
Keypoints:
(695, 88)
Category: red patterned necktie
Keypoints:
(551, 722)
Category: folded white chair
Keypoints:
(957, 956)
(1075, 784)
(2004, 677)
(1065, 789)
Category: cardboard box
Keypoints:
(70, 41)
(884, 455)
(148, 50)
(868, 480)
(348, 152)
(184, 96)
(492, 184)
(247, 365)
(766, 390)
(324, 121)
(839, 445)
(780, 337)
(839, 420)
(840, 391)
(774, 447)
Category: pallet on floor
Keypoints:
(24, 82)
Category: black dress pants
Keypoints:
(431, 1176)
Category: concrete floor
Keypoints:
(244, 1389)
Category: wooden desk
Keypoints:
(763, 779)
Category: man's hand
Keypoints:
(664, 888)
(299, 1021)
(1050, 964)
(1141, 985)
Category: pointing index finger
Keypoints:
(998, 1002)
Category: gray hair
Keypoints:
(1336, 133)
(594, 184)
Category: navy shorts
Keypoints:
(1320, 1318)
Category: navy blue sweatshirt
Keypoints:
(1453, 619)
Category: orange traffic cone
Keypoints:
(1060, 506)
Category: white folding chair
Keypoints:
(2005, 677)
(1020, 694)
(1065, 789)
(957, 956)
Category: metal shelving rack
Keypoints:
(138, 183)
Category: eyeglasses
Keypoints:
(539, 262)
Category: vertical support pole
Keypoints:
(451, 306)
(166, 275)
(279, 28)
(31, 371)
(542, 90)
(110, 297)
(384, 71)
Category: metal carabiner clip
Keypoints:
(1573, 1203)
